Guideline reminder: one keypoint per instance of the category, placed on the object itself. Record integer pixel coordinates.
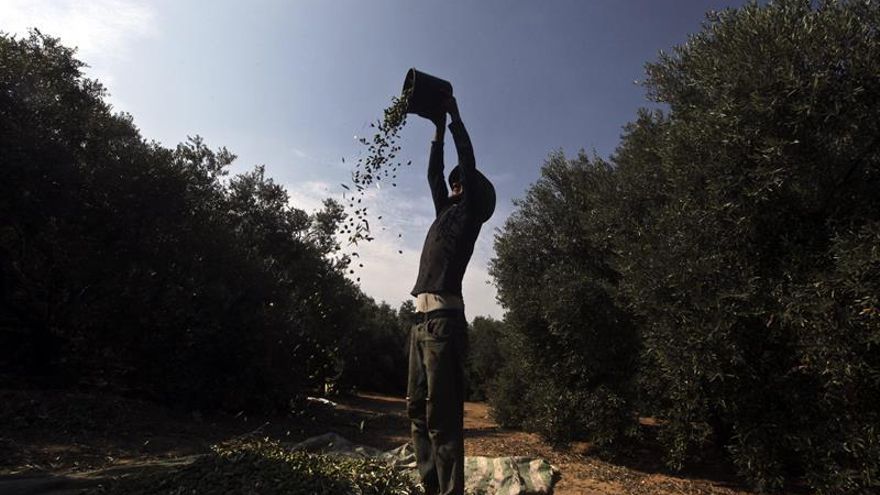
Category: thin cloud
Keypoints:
(391, 261)
(101, 30)
(388, 275)
(308, 196)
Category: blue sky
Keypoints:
(289, 84)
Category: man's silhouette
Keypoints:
(435, 394)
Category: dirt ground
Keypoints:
(581, 472)
(59, 433)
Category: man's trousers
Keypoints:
(435, 399)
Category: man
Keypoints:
(435, 394)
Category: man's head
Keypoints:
(480, 192)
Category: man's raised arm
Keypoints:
(436, 180)
(466, 162)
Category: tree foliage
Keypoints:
(485, 356)
(148, 269)
(576, 345)
(732, 239)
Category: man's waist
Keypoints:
(431, 301)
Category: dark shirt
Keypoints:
(451, 238)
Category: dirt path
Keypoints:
(50, 434)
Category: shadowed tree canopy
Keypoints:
(145, 269)
(732, 241)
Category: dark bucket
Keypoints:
(428, 92)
